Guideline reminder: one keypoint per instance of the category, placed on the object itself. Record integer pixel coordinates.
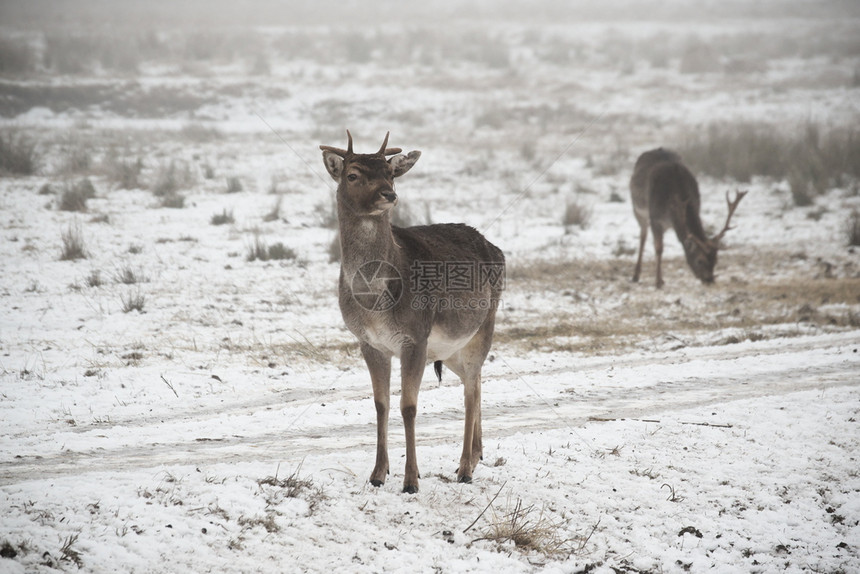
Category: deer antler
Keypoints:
(341, 152)
(733, 205)
(348, 151)
(388, 150)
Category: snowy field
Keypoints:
(181, 395)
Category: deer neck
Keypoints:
(688, 225)
(365, 238)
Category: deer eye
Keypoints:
(352, 177)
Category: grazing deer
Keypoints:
(426, 293)
(665, 194)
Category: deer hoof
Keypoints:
(464, 478)
(410, 488)
(376, 483)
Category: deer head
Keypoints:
(366, 181)
(702, 254)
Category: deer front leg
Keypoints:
(412, 361)
(379, 366)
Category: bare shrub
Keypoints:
(222, 218)
(73, 243)
(17, 154)
(852, 228)
(259, 250)
(811, 159)
(275, 213)
(334, 253)
(802, 193)
(169, 180)
(74, 197)
(234, 185)
(576, 213)
(172, 177)
(94, 279)
(279, 251)
(124, 172)
(133, 301)
(173, 201)
(128, 276)
(78, 158)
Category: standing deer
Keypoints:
(665, 194)
(426, 293)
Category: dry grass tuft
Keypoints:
(275, 490)
(74, 197)
(576, 213)
(73, 243)
(531, 530)
(18, 154)
(852, 229)
(223, 218)
(133, 301)
(259, 250)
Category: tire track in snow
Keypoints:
(616, 387)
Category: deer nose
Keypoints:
(389, 195)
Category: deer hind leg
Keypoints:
(643, 236)
(658, 249)
(467, 364)
(379, 366)
(412, 362)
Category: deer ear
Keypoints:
(403, 163)
(333, 165)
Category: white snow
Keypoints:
(229, 425)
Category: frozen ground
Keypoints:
(226, 423)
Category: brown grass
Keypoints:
(593, 307)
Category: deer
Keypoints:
(423, 294)
(665, 194)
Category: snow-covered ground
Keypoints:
(227, 425)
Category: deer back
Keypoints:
(639, 183)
